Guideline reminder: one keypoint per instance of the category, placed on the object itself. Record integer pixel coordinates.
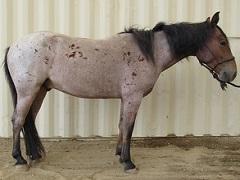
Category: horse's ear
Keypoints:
(215, 19)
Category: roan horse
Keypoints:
(124, 66)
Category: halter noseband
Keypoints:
(212, 69)
(214, 73)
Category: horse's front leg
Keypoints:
(130, 107)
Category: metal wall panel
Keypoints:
(186, 99)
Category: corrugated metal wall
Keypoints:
(186, 99)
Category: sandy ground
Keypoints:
(158, 158)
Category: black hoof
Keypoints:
(128, 165)
(20, 161)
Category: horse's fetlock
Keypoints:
(16, 154)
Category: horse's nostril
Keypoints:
(224, 75)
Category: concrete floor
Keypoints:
(156, 158)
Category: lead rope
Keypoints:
(234, 85)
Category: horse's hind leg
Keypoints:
(23, 105)
(34, 147)
(119, 143)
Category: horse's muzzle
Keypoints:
(227, 76)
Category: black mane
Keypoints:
(184, 38)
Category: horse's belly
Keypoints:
(88, 90)
(86, 82)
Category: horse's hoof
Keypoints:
(129, 166)
(22, 167)
(131, 171)
(21, 161)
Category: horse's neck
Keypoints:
(162, 52)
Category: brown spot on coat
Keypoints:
(85, 58)
(72, 55)
(124, 56)
(46, 60)
(28, 73)
(128, 53)
(96, 49)
(140, 58)
(35, 51)
(72, 46)
(134, 74)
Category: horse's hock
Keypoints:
(168, 158)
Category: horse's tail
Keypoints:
(9, 79)
(34, 146)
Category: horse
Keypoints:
(124, 66)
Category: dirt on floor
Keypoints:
(156, 159)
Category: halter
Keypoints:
(214, 73)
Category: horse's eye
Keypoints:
(223, 43)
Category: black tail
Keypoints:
(9, 80)
(34, 146)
